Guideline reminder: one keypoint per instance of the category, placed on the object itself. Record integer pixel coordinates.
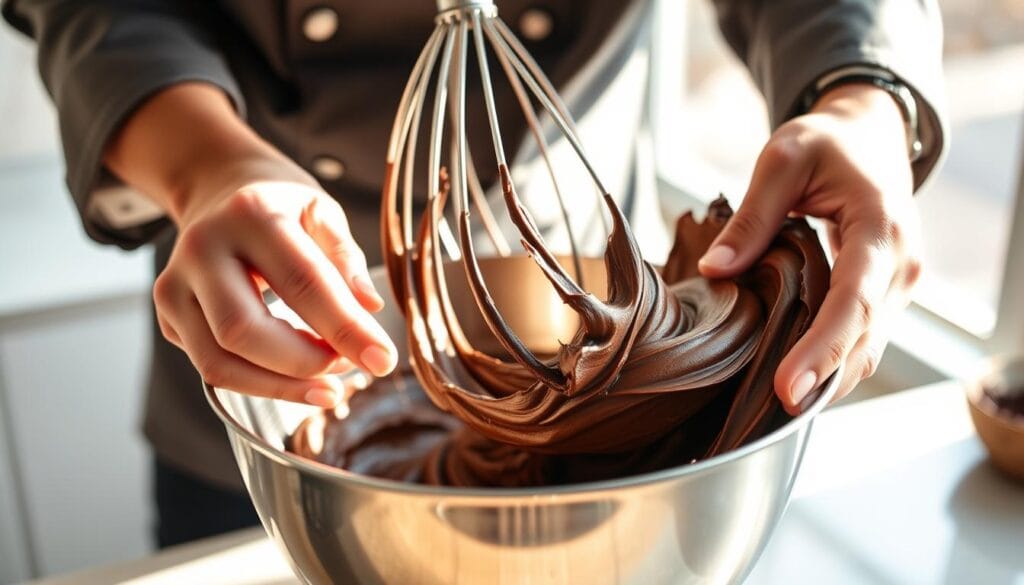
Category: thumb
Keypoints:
(776, 186)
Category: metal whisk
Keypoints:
(414, 260)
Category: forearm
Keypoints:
(186, 144)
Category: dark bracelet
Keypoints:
(900, 93)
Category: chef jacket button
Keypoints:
(536, 24)
(328, 168)
(320, 24)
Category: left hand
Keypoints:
(846, 163)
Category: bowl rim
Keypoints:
(827, 390)
(974, 390)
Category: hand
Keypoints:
(295, 238)
(846, 163)
(249, 218)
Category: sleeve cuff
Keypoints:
(86, 175)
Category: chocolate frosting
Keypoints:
(641, 363)
(393, 431)
(670, 368)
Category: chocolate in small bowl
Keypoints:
(996, 400)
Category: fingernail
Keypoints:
(808, 401)
(720, 256)
(322, 397)
(803, 384)
(377, 360)
(365, 285)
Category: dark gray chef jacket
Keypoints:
(320, 79)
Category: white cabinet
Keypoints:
(73, 381)
(14, 555)
(74, 336)
(74, 469)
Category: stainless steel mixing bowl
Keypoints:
(702, 523)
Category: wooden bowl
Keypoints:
(1001, 429)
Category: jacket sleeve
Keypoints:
(99, 60)
(788, 44)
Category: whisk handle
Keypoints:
(462, 5)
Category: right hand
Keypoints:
(291, 236)
(249, 218)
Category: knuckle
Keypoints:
(194, 240)
(353, 252)
(303, 281)
(212, 370)
(783, 151)
(234, 330)
(277, 392)
(341, 218)
(344, 335)
(835, 351)
(912, 268)
(349, 254)
(886, 233)
(863, 308)
(246, 203)
(165, 328)
(332, 209)
(869, 365)
(746, 225)
(164, 290)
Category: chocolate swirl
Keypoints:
(641, 363)
(671, 368)
(393, 431)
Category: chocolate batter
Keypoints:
(393, 431)
(1008, 400)
(670, 368)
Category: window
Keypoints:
(971, 297)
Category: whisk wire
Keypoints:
(436, 138)
(402, 121)
(531, 72)
(415, 260)
(535, 129)
(488, 89)
(511, 342)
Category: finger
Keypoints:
(167, 294)
(242, 324)
(867, 354)
(223, 369)
(778, 181)
(862, 363)
(863, 271)
(168, 331)
(305, 279)
(325, 221)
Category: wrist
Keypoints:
(186, 145)
(210, 181)
(867, 104)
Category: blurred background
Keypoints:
(73, 315)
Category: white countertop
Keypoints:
(892, 490)
(898, 490)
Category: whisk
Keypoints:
(445, 60)
(649, 351)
